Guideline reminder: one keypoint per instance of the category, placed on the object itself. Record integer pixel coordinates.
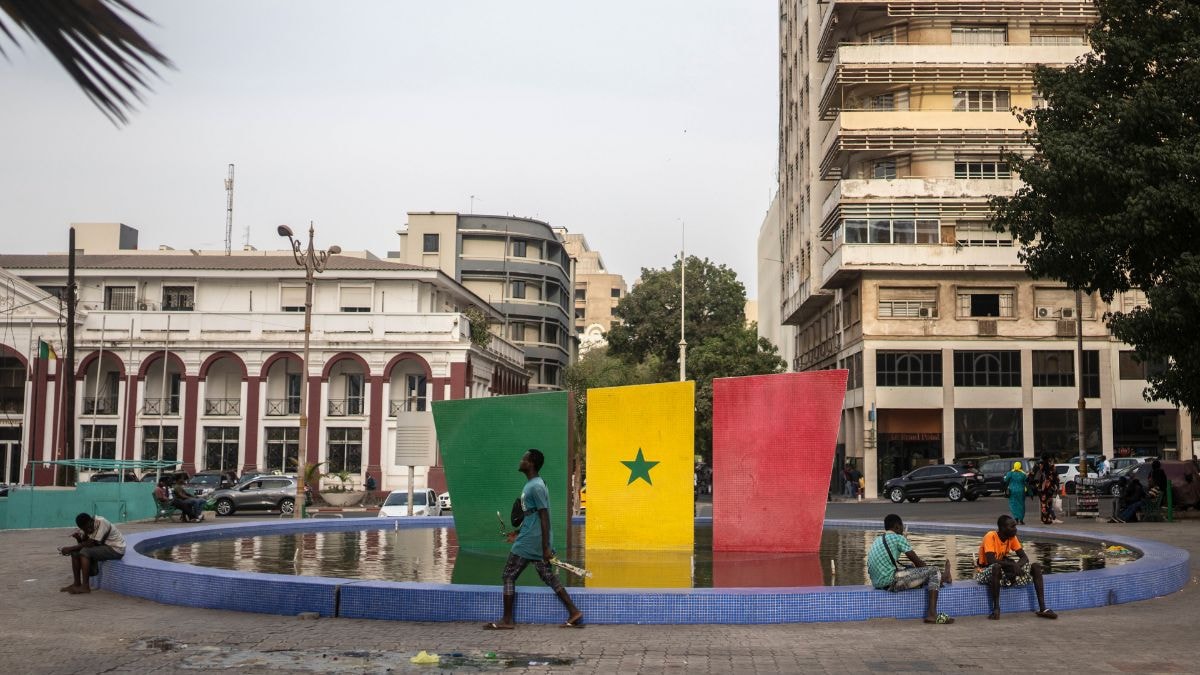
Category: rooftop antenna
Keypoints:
(229, 213)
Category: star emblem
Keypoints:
(639, 468)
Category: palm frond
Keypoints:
(108, 59)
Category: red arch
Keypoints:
(149, 361)
(342, 356)
(277, 356)
(5, 349)
(407, 356)
(217, 356)
(86, 363)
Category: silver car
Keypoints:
(264, 493)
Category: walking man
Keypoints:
(533, 544)
(97, 540)
(883, 566)
(995, 568)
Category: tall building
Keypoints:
(519, 266)
(893, 122)
(198, 358)
(597, 292)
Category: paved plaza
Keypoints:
(50, 632)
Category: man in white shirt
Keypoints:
(1103, 468)
(98, 540)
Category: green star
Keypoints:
(639, 468)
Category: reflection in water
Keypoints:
(432, 555)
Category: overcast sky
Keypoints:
(619, 120)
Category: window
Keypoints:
(1134, 299)
(908, 303)
(616, 292)
(291, 298)
(221, 448)
(354, 394)
(987, 431)
(985, 302)
(1039, 101)
(99, 441)
(518, 289)
(987, 369)
(979, 233)
(120, 298)
(1057, 35)
(1053, 368)
(344, 452)
(58, 292)
(851, 308)
(178, 298)
(882, 102)
(166, 448)
(292, 393)
(283, 449)
(1057, 431)
(979, 35)
(580, 294)
(908, 369)
(981, 100)
(415, 393)
(579, 313)
(884, 231)
(884, 169)
(518, 248)
(430, 243)
(356, 298)
(1131, 368)
(1091, 373)
(971, 168)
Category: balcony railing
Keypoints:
(161, 406)
(104, 405)
(278, 407)
(222, 407)
(409, 405)
(12, 406)
(342, 407)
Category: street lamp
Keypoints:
(313, 261)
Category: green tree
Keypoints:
(1112, 190)
(108, 58)
(736, 351)
(649, 314)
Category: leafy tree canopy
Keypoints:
(1112, 190)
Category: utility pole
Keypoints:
(682, 301)
(65, 377)
(229, 212)
(1082, 403)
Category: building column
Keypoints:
(458, 381)
(253, 401)
(34, 474)
(191, 397)
(375, 433)
(129, 416)
(948, 448)
(1027, 402)
(1107, 394)
(1183, 433)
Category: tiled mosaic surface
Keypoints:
(1162, 570)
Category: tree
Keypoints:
(108, 59)
(1111, 200)
(649, 314)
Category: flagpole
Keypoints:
(682, 301)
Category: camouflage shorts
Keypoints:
(1023, 578)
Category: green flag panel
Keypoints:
(482, 441)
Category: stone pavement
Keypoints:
(44, 631)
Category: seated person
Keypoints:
(1133, 500)
(995, 568)
(883, 566)
(192, 506)
(97, 540)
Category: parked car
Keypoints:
(425, 503)
(268, 493)
(3, 489)
(1111, 483)
(1184, 477)
(940, 480)
(113, 477)
(994, 470)
(206, 482)
(1121, 462)
(1068, 472)
(444, 501)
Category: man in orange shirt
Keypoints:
(995, 568)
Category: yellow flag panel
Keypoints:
(635, 569)
(640, 449)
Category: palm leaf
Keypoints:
(108, 59)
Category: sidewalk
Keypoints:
(48, 631)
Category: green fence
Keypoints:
(28, 508)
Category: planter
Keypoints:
(343, 498)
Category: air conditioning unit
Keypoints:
(987, 327)
(1065, 328)
(1046, 312)
(1067, 312)
(925, 312)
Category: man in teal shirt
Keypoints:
(533, 544)
(883, 566)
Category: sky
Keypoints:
(626, 121)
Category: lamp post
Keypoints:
(313, 261)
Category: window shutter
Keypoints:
(356, 296)
(910, 294)
(291, 296)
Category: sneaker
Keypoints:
(200, 519)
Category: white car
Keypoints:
(444, 501)
(425, 503)
(1067, 473)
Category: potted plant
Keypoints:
(342, 493)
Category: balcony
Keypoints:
(12, 406)
(413, 405)
(281, 407)
(223, 407)
(341, 326)
(344, 407)
(850, 260)
(909, 188)
(104, 405)
(161, 406)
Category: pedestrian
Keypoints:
(862, 486)
(994, 567)
(847, 480)
(1103, 469)
(1046, 485)
(191, 505)
(1133, 500)
(533, 545)
(1014, 485)
(1158, 480)
(369, 483)
(97, 540)
(886, 572)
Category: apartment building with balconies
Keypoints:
(196, 357)
(894, 123)
(597, 292)
(519, 266)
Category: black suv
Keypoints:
(940, 480)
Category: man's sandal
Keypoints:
(1047, 614)
(498, 626)
(941, 619)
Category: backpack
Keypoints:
(517, 516)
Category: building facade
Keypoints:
(597, 292)
(518, 265)
(895, 117)
(196, 357)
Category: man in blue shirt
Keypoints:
(883, 566)
(532, 544)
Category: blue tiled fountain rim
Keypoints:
(1161, 570)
